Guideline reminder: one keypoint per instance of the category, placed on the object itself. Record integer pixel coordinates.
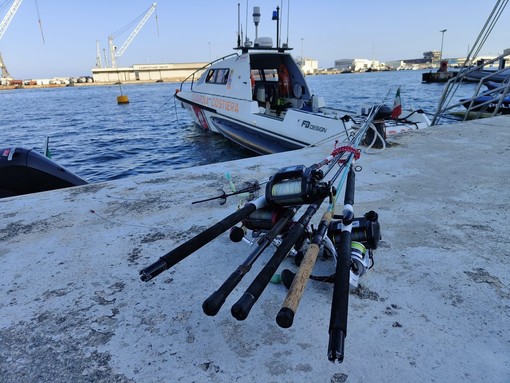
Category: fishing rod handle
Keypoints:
(340, 302)
(187, 248)
(285, 316)
(349, 187)
(242, 307)
(213, 304)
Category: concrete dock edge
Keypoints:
(434, 308)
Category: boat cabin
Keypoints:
(271, 78)
(277, 82)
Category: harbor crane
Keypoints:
(114, 53)
(3, 27)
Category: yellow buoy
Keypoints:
(123, 99)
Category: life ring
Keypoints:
(283, 81)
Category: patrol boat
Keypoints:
(258, 97)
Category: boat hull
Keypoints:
(24, 171)
(488, 75)
(253, 139)
(251, 127)
(488, 104)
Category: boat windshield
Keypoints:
(217, 76)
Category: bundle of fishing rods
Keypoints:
(349, 239)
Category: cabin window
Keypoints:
(271, 75)
(217, 76)
(210, 76)
(255, 74)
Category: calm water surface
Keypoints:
(94, 137)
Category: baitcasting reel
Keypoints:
(297, 185)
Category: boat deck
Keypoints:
(433, 308)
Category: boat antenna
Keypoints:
(246, 41)
(281, 8)
(256, 20)
(288, 18)
(238, 24)
(276, 16)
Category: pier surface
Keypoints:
(434, 308)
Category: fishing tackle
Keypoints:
(296, 185)
(270, 217)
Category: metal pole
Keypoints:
(442, 39)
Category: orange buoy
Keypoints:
(123, 99)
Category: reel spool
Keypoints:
(296, 185)
(360, 262)
(365, 230)
(365, 235)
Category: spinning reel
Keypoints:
(365, 236)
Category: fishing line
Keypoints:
(120, 223)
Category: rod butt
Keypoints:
(285, 317)
(212, 305)
(153, 270)
(242, 307)
(336, 346)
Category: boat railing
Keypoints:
(498, 93)
(199, 70)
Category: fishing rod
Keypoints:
(282, 182)
(340, 303)
(250, 188)
(305, 177)
(271, 216)
(212, 305)
(285, 316)
(187, 248)
(242, 307)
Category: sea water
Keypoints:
(96, 138)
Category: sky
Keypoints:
(199, 30)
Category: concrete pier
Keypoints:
(434, 308)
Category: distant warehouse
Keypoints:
(146, 73)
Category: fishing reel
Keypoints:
(365, 230)
(263, 219)
(259, 222)
(365, 236)
(297, 185)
